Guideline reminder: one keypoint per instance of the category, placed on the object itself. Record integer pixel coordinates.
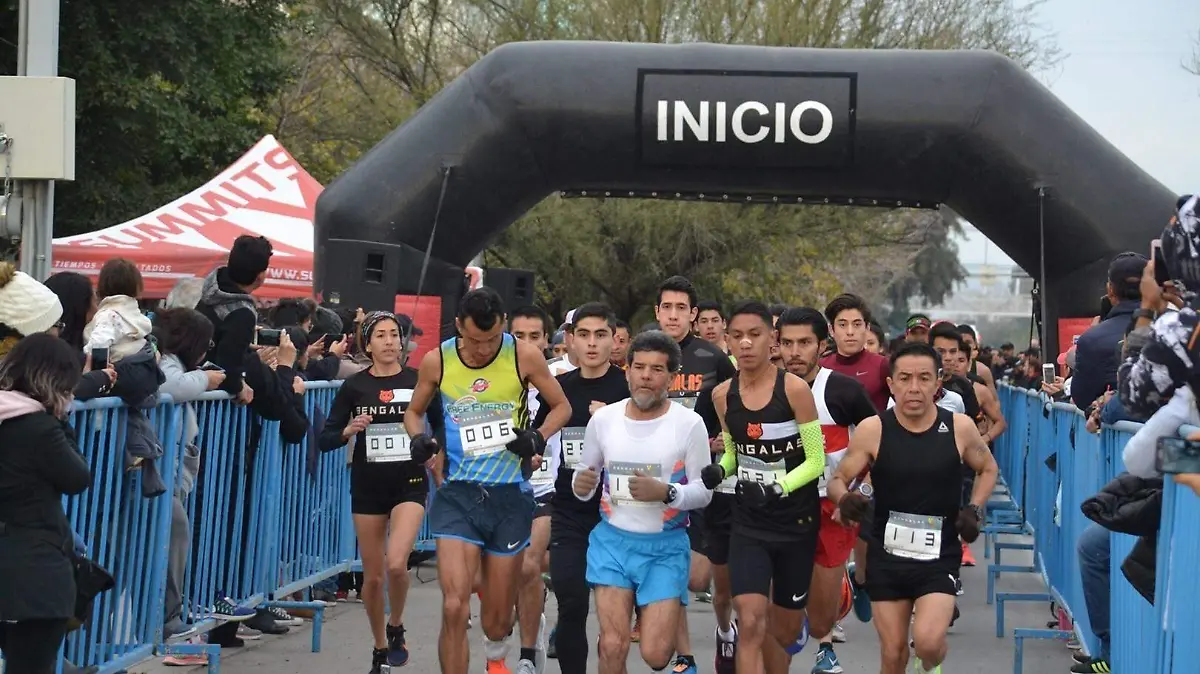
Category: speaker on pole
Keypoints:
(514, 285)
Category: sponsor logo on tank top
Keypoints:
(942, 428)
(480, 385)
(470, 404)
(754, 431)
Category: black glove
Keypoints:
(423, 447)
(854, 507)
(711, 475)
(756, 494)
(527, 443)
(968, 523)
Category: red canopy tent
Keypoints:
(265, 192)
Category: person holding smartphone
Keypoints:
(1096, 354)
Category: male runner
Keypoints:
(778, 456)
(984, 372)
(620, 348)
(568, 360)
(916, 328)
(915, 452)
(532, 325)
(482, 508)
(703, 367)
(947, 342)
(595, 384)
(652, 453)
(848, 315)
(842, 403)
(710, 324)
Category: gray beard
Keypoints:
(648, 403)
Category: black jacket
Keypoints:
(39, 463)
(1132, 505)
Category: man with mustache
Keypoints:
(842, 403)
(651, 452)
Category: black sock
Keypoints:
(529, 654)
(688, 659)
(828, 643)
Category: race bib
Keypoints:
(542, 476)
(728, 485)
(762, 472)
(619, 474)
(387, 443)
(831, 463)
(572, 446)
(484, 433)
(916, 537)
(685, 399)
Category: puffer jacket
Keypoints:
(1132, 505)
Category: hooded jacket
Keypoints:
(119, 326)
(1132, 505)
(233, 316)
(39, 463)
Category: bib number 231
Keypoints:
(486, 433)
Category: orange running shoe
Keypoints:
(497, 667)
(635, 635)
(968, 558)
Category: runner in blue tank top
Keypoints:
(485, 505)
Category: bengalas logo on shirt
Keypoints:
(754, 431)
(480, 385)
(386, 395)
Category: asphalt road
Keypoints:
(974, 648)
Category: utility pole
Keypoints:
(37, 56)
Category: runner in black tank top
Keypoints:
(777, 454)
(916, 452)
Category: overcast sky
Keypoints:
(1123, 75)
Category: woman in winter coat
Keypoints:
(39, 463)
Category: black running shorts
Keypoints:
(910, 580)
(755, 566)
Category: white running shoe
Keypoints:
(838, 634)
(525, 667)
(539, 653)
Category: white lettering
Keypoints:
(699, 127)
(739, 131)
(684, 123)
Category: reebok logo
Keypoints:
(942, 428)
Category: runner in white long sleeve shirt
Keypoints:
(651, 453)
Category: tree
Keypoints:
(167, 95)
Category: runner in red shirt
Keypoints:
(848, 316)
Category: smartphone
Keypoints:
(1048, 373)
(1176, 455)
(211, 367)
(100, 358)
(1161, 273)
(267, 337)
(330, 340)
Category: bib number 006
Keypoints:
(486, 437)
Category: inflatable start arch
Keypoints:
(971, 130)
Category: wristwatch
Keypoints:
(1144, 313)
(866, 490)
(672, 492)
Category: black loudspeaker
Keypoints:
(514, 285)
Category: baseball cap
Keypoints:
(1125, 273)
(918, 322)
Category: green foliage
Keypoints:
(167, 95)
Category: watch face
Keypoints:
(866, 490)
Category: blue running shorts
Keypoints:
(655, 566)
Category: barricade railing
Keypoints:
(243, 515)
(1051, 464)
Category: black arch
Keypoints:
(971, 130)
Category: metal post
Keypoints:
(37, 56)
(1042, 284)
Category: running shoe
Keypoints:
(284, 618)
(862, 601)
(526, 667)
(229, 610)
(1092, 666)
(397, 649)
(725, 661)
(378, 660)
(919, 668)
(838, 634)
(684, 664)
(635, 635)
(968, 559)
(193, 660)
(827, 661)
(704, 597)
(551, 649)
(498, 667)
(1080, 657)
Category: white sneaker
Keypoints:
(525, 667)
(838, 634)
(539, 656)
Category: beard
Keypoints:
(648, 401)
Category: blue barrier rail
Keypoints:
(1050, 464)
(243, 514)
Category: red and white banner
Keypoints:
(264, 193)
